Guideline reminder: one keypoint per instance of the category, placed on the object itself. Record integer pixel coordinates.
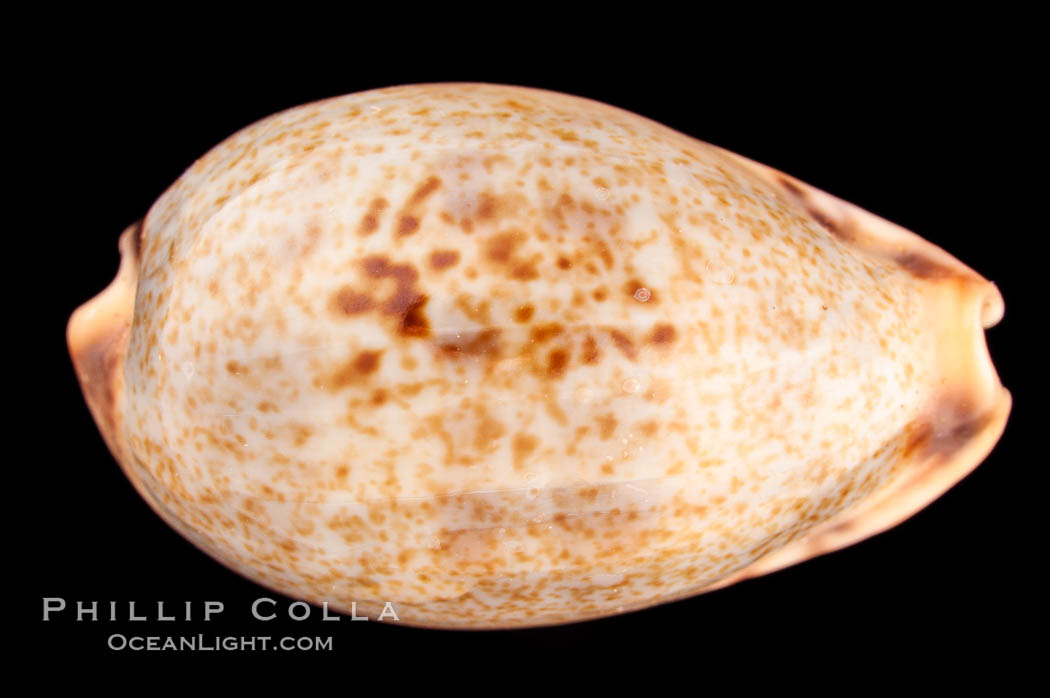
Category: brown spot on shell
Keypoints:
(663, 334)
(486, 206)
(381, 267)
(557, 362)
(414, 321)
(624, 344)
(523, 446)
(525, 271)
(356, 369)
(565, 134)
(606, 426)
(347, 301)
(367, 362)
(605, 252)
(499, 248)
(406, 225)
(408, 220)
(370, 221)
(474, 308)
(486, 209)
(640, 292)
(442, 259)
(489, 430)
(590, 350)
(649, 428)
(482, 343)
(523, 313)
(406, 303)
(428, 187)
(300, 434)
(543, 333)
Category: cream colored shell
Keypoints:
(507, 357)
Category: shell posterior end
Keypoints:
(968, 408)
(97, 336)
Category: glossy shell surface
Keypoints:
(506, 357)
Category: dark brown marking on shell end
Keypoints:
(835, 225)
(923, 267)
(97, 364)
(952, 426)
(138, 241)
(791, 188)
(827, 223)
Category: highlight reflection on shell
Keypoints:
(507, 357)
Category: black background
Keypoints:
(928, 136)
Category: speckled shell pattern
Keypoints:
(506, 357)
